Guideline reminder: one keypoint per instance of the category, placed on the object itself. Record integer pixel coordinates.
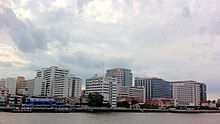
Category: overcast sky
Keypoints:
(171, 39)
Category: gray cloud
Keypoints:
(6, 64)
(26, 37)
(175, 40)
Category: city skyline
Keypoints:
(174, 40)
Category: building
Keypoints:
(161, 103)
(155, 87)
(30, 87)
(133, 92)
(54, 78)
(203, 92)
(40, 87)
(9, 83)
(124, 76)
(21, 85)
(188, 93)
(72, 87)
(4, 92)
(106, 86)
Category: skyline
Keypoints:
(174, 40)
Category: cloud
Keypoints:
(26, 37)
(175, 40)
(6, 64)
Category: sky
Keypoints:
(170, 39)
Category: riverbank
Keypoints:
(94, 110)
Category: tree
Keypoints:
(95, 100)
(133, 102)
(123, 104)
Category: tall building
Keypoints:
(133, 92)
(40, 87)
(188, 93)
(155, 87)
(72, 87)
(124, 76)
(30, 87)
(21, 85)
(10, 84)
(54, 80)
(106, 86)
(203, 93)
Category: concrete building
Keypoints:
(203, 93)
(10, 84)
(40, 87)
(106, 86)
(133, 92)
(187, 93)
(4, 92)
(124, 76)
(72, 87)
(30, 87)
(155, 87)
(21, 85)
(54, 78)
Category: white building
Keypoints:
(30, 87)
(10, 84)
(133, 92)
(40, 87)
(106, 86)
(54, 78)
(187, 93)
(72, 87)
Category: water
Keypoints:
(108, 118)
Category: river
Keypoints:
(108, 118)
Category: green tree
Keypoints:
(123, 104)
(95, 100)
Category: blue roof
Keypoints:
(41, 99)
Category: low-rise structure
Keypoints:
(133, 92)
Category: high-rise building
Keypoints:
(30, 87)
(54, 80)
(124, 76)
(106, 86)
(21, 85)
(72, 87)
(155, 87)
(40, 87)
(188, 93)
(203, 92)
(10, 84)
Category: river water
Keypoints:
(108, 118)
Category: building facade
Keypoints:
(40, 87)
(72, 87)
(187, 93)
(4, 92)
(155, 87)
(21, 85)
(30, 87)
(203, 93)
(124, 76)
(106, 86)
(10, 84)
(133, 92)
(54, 78)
